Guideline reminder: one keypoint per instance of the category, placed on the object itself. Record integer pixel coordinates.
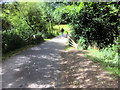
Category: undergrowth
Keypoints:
(107, 57)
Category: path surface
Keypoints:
(80, 72)
(37, 67)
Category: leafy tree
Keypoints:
(96, 22)
(23, 20)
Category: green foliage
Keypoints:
(108, 57)
(95, 23)
(82, 43)
(63, 13)
(11, 41)
(110, 54)
(48, 35)
(25, 23)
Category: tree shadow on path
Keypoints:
(80, 72)
(37, 67)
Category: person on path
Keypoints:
(66, 34)
(62, 31)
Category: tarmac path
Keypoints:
(36, 67)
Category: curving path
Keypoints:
(37, 67)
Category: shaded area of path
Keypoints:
(37, 67)
(80, 72)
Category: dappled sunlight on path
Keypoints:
(80, 72)
(37, 67)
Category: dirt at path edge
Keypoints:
(80, 72)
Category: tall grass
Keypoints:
(107, 57)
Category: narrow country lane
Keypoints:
(37, 67)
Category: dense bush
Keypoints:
(96, 24)
(11, 41)
(110, 54)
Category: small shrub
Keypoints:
(82, 43)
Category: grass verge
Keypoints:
(94, 55)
